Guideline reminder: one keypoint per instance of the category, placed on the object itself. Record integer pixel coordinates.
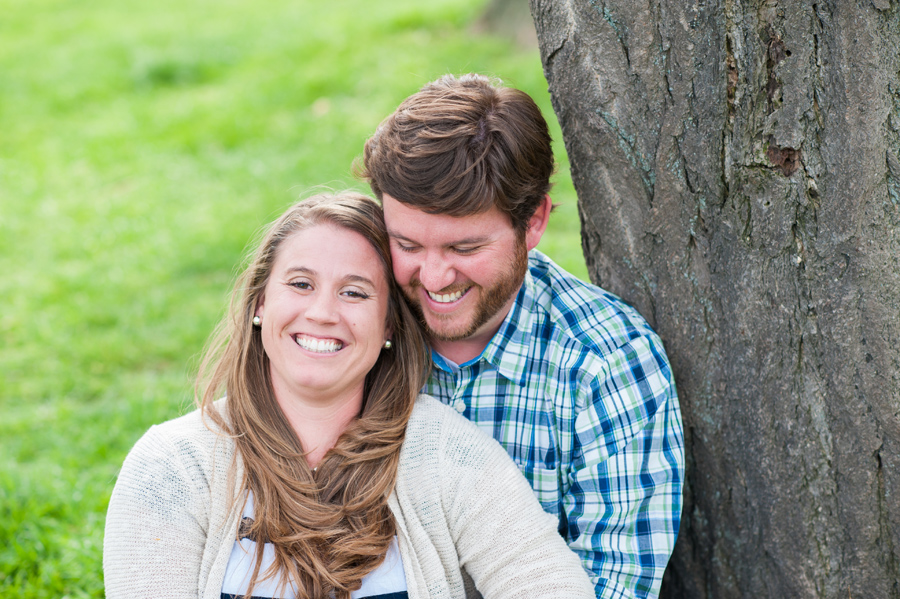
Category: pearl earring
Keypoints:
(257, 320)
(387, 344)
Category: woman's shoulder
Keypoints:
(191, 440)
(197, 425)
(437, 428)
(429, 409)
(432, 418)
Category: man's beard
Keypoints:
(490, 300)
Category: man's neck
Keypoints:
(461, 351)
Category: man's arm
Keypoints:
(622, 508)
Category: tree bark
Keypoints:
(739, 183)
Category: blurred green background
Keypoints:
(142, 145)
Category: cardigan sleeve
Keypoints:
(505, 541)
(157, 522)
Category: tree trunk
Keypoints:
(739, 183)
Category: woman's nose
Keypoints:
(322, 307)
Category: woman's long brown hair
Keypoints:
(331, 527)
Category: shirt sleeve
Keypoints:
(622, 508)
(504, 540)
(155, 526)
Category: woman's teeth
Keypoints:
(321, 346)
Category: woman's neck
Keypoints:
(318, 425)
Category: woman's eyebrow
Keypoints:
(351, 278)
(359, 279)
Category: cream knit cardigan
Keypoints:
(460, 504)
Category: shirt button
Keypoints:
(459, 405)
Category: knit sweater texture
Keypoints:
(464, 515)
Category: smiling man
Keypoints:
(568, 378)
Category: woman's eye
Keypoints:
(357, 294)
(300, 285)
(407, 248)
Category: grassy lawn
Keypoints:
(142, 144)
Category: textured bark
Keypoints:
(739, 183)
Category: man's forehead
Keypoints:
(404, 219)
(446, 231)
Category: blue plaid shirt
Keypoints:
(577, 388)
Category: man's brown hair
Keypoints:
(461, 145)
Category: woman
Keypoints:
(322, 473)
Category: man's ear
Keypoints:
(537, 224)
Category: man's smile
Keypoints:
(446, 298)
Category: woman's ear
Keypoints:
(260, 302)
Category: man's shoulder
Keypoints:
(579, 314)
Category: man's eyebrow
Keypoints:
(463, 241)
(469, 241)
(395, 235)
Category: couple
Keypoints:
(329, 469)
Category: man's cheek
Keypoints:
(403, 272)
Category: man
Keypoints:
(569, 379)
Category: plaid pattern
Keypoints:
(577, 388)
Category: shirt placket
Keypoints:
(450, 381)
(460, 399)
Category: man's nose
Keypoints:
(436, 272)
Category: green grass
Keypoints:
(141, 146)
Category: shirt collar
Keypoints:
(507, 351)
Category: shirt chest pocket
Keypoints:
(544, 482)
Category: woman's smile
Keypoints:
(318, 346)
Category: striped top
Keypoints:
(578, 390)
(385, 582)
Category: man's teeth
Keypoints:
(322, 346)
(445, 298)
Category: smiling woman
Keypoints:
(323, 322)
(323, 472)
